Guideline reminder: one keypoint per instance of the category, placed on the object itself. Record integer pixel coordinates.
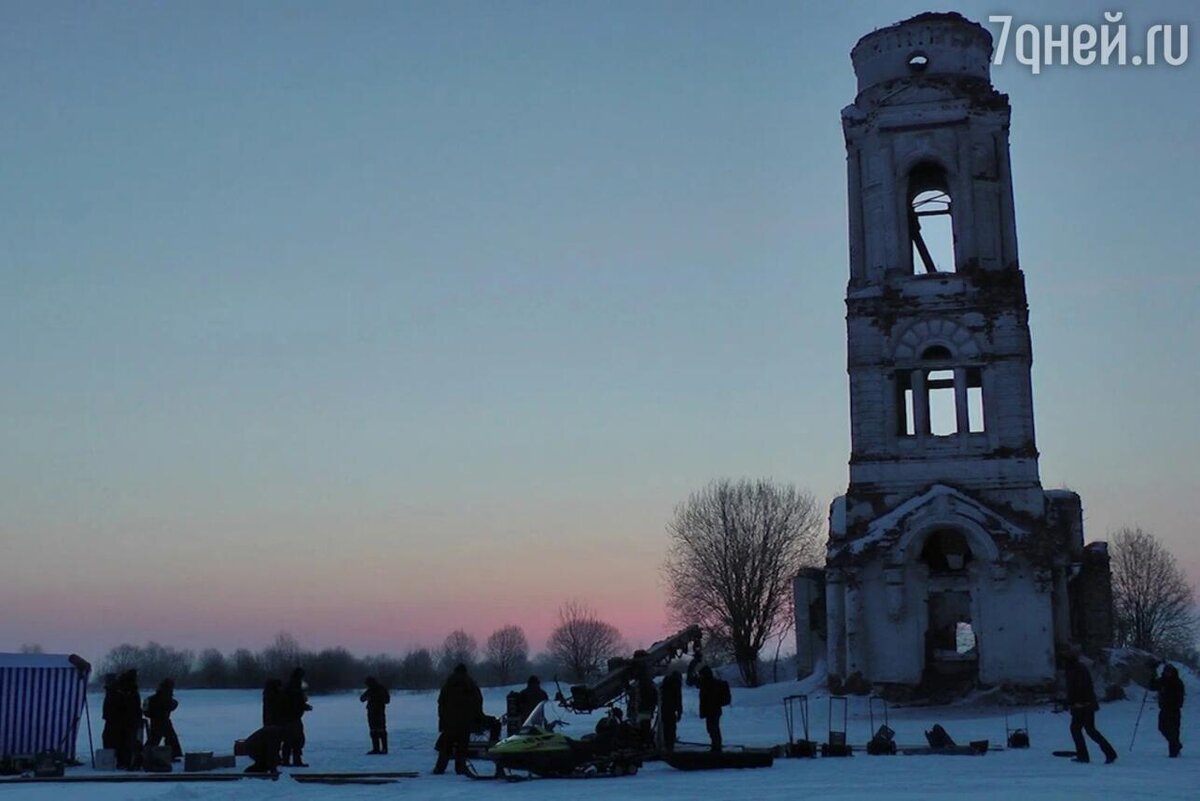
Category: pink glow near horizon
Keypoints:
(370, 582)
(364, 622)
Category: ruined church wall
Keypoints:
(886, 623)
(1015, 629)
(893, 648)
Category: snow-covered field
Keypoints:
(337, 740)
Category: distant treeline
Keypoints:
(500, 662)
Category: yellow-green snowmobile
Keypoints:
(539, 750)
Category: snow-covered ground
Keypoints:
(337, 739)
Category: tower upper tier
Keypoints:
(942, 44)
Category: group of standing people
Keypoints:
(283, 708)
(123, 712)
(281, 739)
(668, 699)
(460, 712)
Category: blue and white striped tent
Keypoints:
(41, 699)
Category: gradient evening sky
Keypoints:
(366, 321)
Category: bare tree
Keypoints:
(212, 669)
(417, 670)
(1152, 600)
(121, 658)
(507, 649)
(459, 648)
(735, 548)
(332, 669)
(386, 669)
(582, 643)
(246, 669)
(153, 662)
(282, 656)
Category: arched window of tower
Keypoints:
(941, 398)
(930, 219)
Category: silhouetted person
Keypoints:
(158, 711)
(530, 697)
(609, 731)
(272, 703)
(647, 703)
(263, 749)
(714, 694)
(377, 698)
(1170, 707)
(292, 708)
(460, 707)
(1081, 700)
(127, 728)
(671, 711)
(110, 736)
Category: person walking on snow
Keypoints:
(1081, 700)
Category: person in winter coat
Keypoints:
(127, 731)
(460, 708)
(647, 704)
(293, 707)
(263, 749)
(377, 698)
(158, 710)
(272, 703)
(272, 710)
(1170, 706)
(530, 697)
(1081, 700)
(610, 731)
(672, 708)
(714, 694)
(110, 713)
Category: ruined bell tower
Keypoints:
(947, 561)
